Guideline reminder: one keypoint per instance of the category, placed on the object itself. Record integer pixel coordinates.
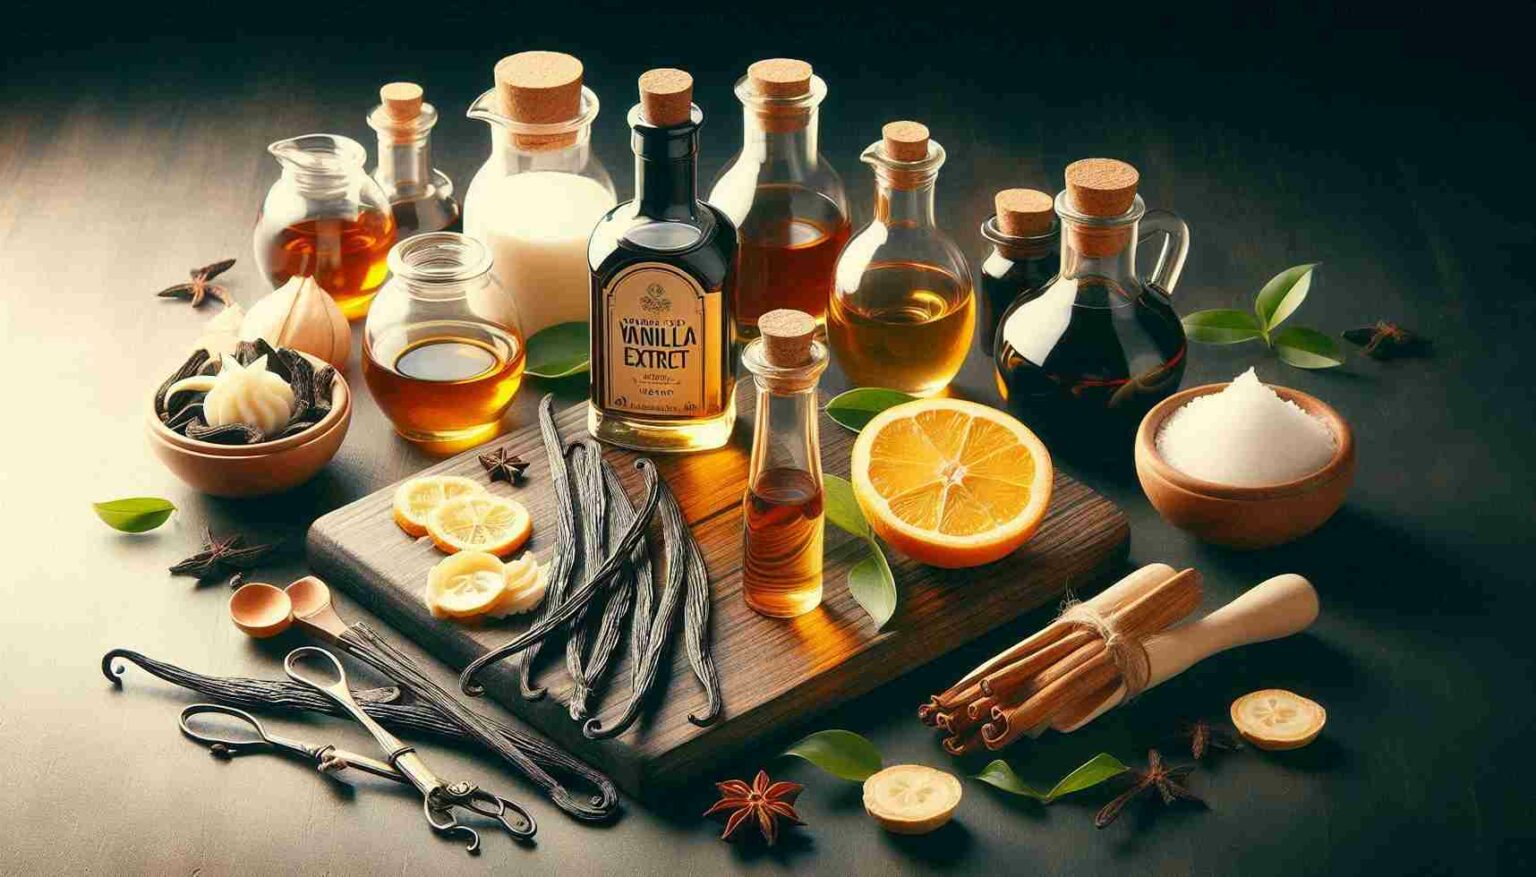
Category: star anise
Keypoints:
(503, 466)
(1204, 736)
(201, 285)
(1386, 340)
(766, 803)
(221, 556)
(1168, 781)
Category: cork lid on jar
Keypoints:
(904, 141)
(666, 97)
(1024, 213)
(787, 335)
(780, 78)
(402, 100)
(1104, 187)
(540, 88)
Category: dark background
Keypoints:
(1392, 145)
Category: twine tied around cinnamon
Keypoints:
(1124, 648)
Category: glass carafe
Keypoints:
(420, 196)
(534, 203)
(443, 349)
(786, 200)
(1084, 358)
(325, 218)
(902, 308)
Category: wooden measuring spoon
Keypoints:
(260, 610)
(312, 610)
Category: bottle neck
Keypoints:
(785, 433)
(1096, 251)
(780, 139)
(666, 170)
(908, 203)
(521, 154)
(405, 169)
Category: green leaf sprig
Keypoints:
(843, 754)
(871, 581)
(856, 408)
(1297, 346)
(1089, 774)
(137, 514)
(558, 351)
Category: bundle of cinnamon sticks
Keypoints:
(1080, 665)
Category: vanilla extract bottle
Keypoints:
(663, 269)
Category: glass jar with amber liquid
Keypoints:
(903, 309)
(663, 269)
(325, 218)
(784, 197)
(442, 349)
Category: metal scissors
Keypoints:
(438, 798)
(228, 742)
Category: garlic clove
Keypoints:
(301, 315)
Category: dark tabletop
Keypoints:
(1393, 150)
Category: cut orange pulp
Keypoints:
(951, 483)
(416, 498)
(480, 522)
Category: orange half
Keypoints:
(951, 483)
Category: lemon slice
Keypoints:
(416, 498)
(466, 584)
(480, 522)
(526, 584)
(1278, 719)
(911, 798)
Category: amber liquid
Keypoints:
(781, 574)
(790, 241)
(908, 330)
(444, 381)
(347, 257)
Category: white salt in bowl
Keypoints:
(1260, 516)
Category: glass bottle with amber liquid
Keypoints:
(1025, 240)
(782, 513)
(785, 198)
(902, 308)
(1082, 359)
(663, 272)
(420, 196)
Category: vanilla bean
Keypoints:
(641, 572)
(565, 541)
(696, 624)
(591, 500)
(619, 596)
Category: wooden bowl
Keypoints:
(270, 470)
(341, 404)
(1244, 517)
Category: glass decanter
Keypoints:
(1025, 254)
(325, 218)
(782, 512)
(1084, 358)
(902, 308)
(537, 197)
(420, 196)
(443, 348)
(786, 200)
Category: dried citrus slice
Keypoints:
(466, 584)
(1278, 719)
(416, 498)
(526, 584)
(911, 798)
(480, 522)
(951, 483)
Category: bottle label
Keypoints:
(663, 333)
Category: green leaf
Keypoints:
(1092, 772)
(873, 586)
(856, 408)
(138, 514)
(1222, 326)
(1307, 348)
(1282, 295)
(841, 508)
(843, 754)
(558, 351)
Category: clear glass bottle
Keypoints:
(902, 309)
(663, 267)
(1084, 358)
(1025, 238)
(420, 196)
(785, 198)
(782, 512)
(325, 218)
(535, 200)
(443, 349)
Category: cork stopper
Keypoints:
(666, 97)
(1024, 213)
(787, 336)
(540, 88)
(402, 100)
(780, 78)
(904, 141)
(1104, 187)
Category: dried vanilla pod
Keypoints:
(592, 504)
(640, 569)
(193, 365)
(228, 434)
(190, 413)
(696, 630)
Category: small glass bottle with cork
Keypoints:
(784, 197)
(663, 271)
(1026, 253)
(782, 513)
(420, 196)
(535, 200)
(902, 309)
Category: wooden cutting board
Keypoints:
(774, 673)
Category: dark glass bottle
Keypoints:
(420, 196)
(1026, 253)
(663, 271)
